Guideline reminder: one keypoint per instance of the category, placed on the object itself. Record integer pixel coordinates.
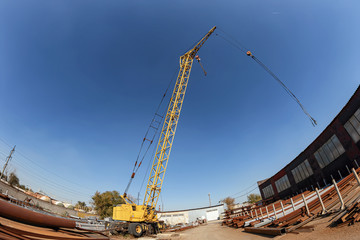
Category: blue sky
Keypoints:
(81, 80)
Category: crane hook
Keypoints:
(198, 59)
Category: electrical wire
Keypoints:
(19, 152)
(243, 190)
(245, 194)
(36, 178)
(46, 181)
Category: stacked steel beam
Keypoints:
(349, 217)
(18, 222)
(288, 215)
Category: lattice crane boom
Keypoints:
(166, 139)
(137, 219)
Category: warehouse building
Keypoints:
(330, 156)
(191, 215)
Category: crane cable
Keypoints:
(243, 49)
(154, 124)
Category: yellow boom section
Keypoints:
(166, 139)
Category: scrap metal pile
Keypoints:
(283, 216)
(349, 217)
(21, 222)
(183, 227)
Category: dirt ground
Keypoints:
(323, 232)
(214, 231)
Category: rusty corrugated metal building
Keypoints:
(331, 155)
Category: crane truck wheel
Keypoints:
(136, 229)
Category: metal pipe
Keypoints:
(321, 202)
(356, 163)
(306, 206)
(267, 212)
(292, 204)
(261, 213)
(274, 211)
(251, 214)
(24, 215)
(356, 176)
(267, 231)
(282, 207)
(339, 194)
(340, 174)
(347, 168)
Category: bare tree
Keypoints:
(230, 202)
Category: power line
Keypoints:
(44, 180)
(246, 193)
(243, 190)
(38, 179)
(47, 170)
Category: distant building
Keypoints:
(330, 156)
(191, 215)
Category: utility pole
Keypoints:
(209, 199)
(7, 161)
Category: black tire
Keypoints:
(150, 229)
(136, 229)
(155, 228)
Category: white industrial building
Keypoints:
(191, 215)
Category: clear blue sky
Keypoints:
(81, 80)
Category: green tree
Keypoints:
(253, 198)
(81, 205)
(104, 202)
(230, 202)
(13, 180)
